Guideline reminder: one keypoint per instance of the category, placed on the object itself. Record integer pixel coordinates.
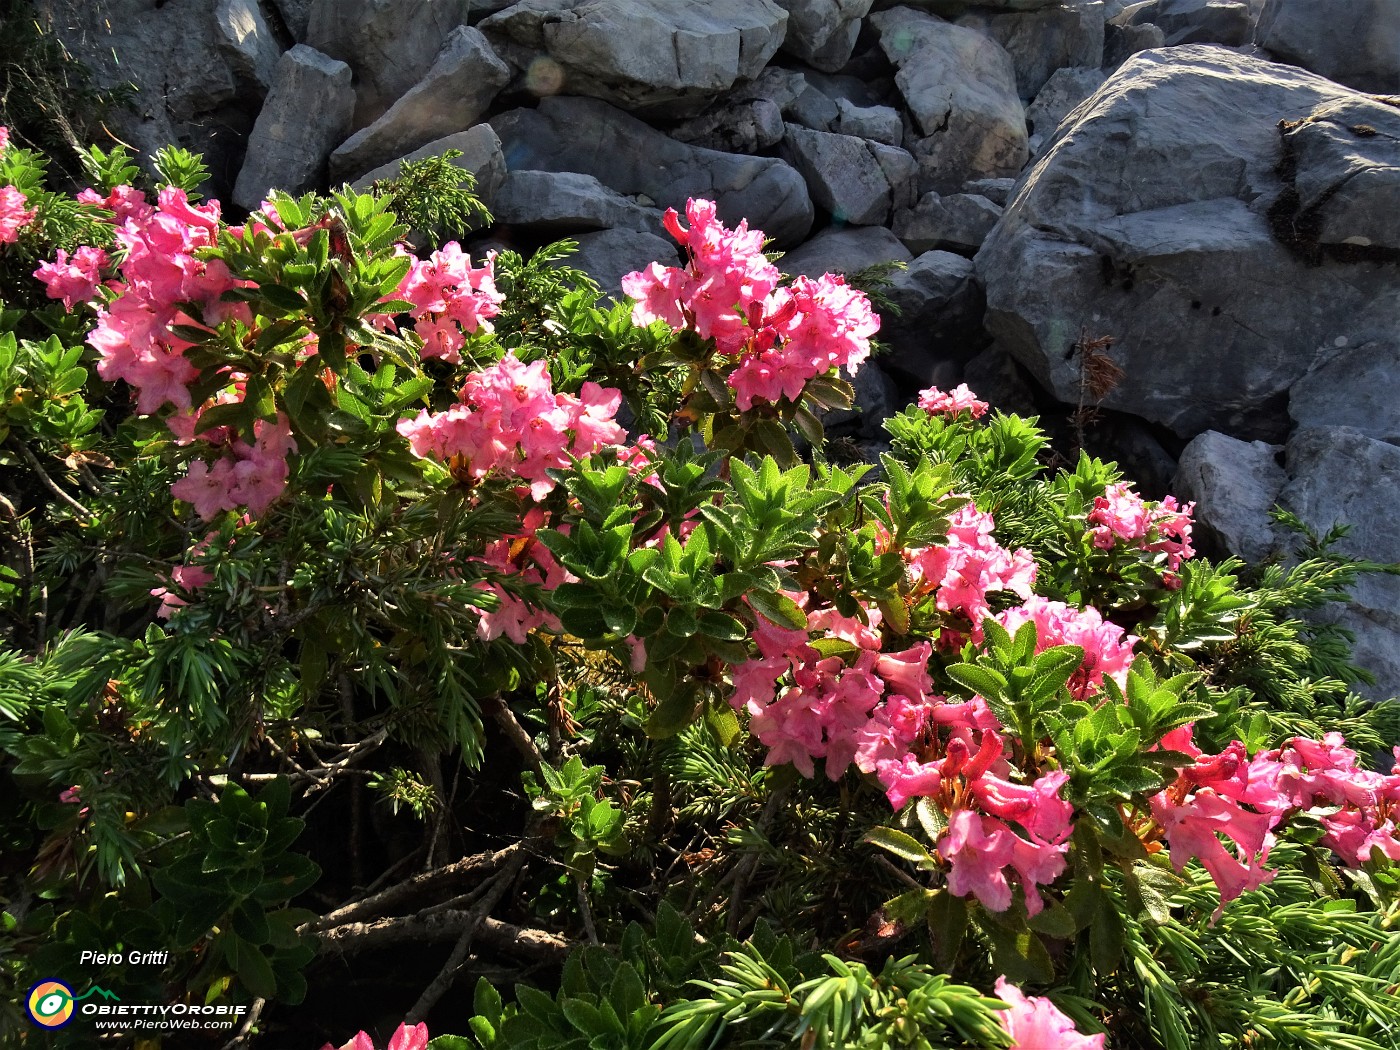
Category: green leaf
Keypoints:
(900, 844)
(778, 609)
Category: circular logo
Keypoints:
(50, 1004)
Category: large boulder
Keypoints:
(1228, 22)
(1040, 42)
(1065, 90)
(668, 56)
(451, 97)
(936, 324)
(610, 255)
(844, 251)
(1355, 42)
(198, 70)
(1339, 476)
(566, 201)
(1155, 216)
(306, 113)
(621, 152)
(389, 45)
(960, 88)
(1354, 386)
(823, 33)
(958, 222)
(845, 175)
(1234, 485)
(954, 8)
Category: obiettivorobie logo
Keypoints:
(51, 1004)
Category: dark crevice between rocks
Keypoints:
(1298, 228)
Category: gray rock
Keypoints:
(958, 222)
(749, 118)
(388, 44)
(1148, 220)
(610, 255)
(1040, 42)
(880, 123)
(1064, 91)
(995, 377)
(960, 87)
(667, 56)
(287, 150)
(813, 109)
(481, 155)
(901, 171)
(1227, 22)
(247, 41)
(1354, 42)
(1120, 43)
(998, 191)
(451, 97)
(823, 33)
(1353, 386)
(621, 152)
(1337, 475)
(1234, 485)
(566, 201)
(295, 15)
(936, 325)
(1346, 156)
(844, 251)
(843, 175)
(954, 8)
(186, 72)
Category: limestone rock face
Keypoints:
(844, 251)
(1354, 42)
(610, 255)
(939, 323)
(669, 56)
(748, 118)
(1042, 41)
(1356, 387)
(623, 153)
(823, 33)
(1234, 484)
(451, 97)
(1339, 475)
(1065, 90)
(388, 44)
(958, 222)
(568, 201)
(286, 150)
(966, 120)
(845, 176)
(1155, 217)
(1228, 22)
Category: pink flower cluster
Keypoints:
(523, 556)
(950, 403)
(966, 568)
(510, 422)
(1162, 528)
(1244, 799)
(13, 216)
(405, 1037)
(729, 292)
(1108, 650)
(451, 300)
(1035, 1023)
(246, 475)
(160, 275)
(76, 278)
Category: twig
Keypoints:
(49, 482)
(407, 890)
(501, 883)
(250, 1019)
(356, 937)
(586, 912)
(514, 731)
(903, 876)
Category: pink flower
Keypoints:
(1035, 1023)
(4, 138)
(961, 399)
(1193, 826)
(451, 300)
(1108, 650)
(978, 849)
(13, 217)
(250, 476)
(1121, 515)
(74, 280)
(406, 1037)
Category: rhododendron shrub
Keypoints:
(311, 524)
